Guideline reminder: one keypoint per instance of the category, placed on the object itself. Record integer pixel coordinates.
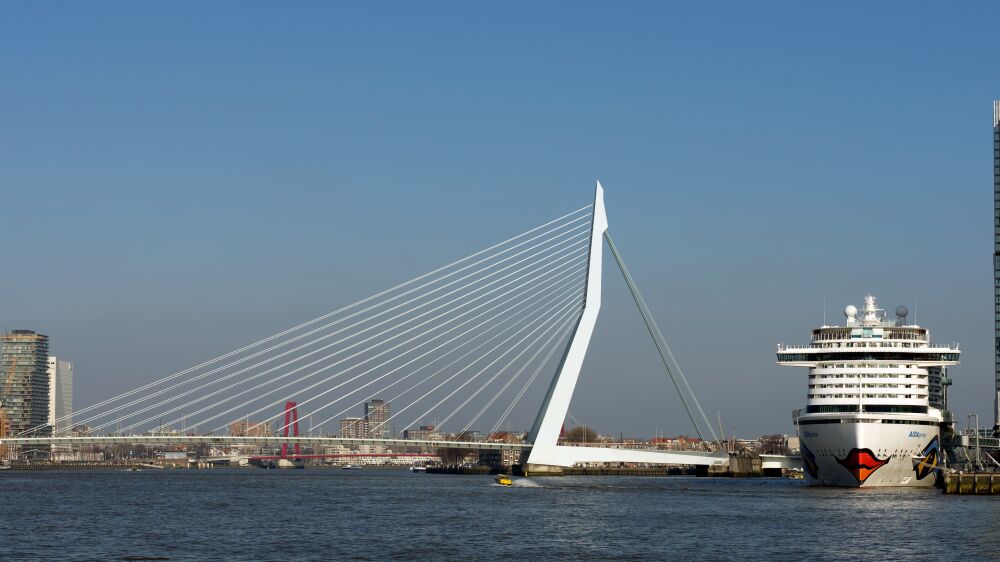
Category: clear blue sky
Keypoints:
(178, 179)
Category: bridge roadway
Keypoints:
(228, 440)
(628, 453)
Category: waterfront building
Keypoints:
(376, 418)
(869, 420)
(60, 396)
(247, 428)
(996, 261)
(24, 392)
(423, 433)
(80, 431)
(353, 428)
(503, 458)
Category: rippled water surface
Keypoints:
(322, 514)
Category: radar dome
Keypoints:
(902, 311)
(850, 311)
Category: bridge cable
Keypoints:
(287, 352)
(449, 379)
(383, 332)
(548, 357)
(365, 350)
(373, 368)
(578, 287)
(390, 349)
(323, 317)
(455, 361)
(491, 363)
(554, 328)
(661, 344)
(556, 336)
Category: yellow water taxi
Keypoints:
(503, 480)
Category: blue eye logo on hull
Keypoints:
(930, 456)
(809, 461)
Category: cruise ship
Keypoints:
(875, 403)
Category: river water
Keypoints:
(328, 514)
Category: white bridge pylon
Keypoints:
(544, 434)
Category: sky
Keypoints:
(180, 179)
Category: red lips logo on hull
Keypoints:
(861, 463)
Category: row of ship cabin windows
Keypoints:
(855, 396)
(866, 376)
(844, 335)
(862, 366)
(851, 408)
(879, 343)
(871, 385)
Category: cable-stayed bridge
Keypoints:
(462, 345)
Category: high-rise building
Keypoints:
(24, 381)
(996, 258)
(352, 428)
(377, 417)
(60, 396)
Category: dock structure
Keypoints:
(972, 483)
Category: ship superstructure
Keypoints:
(874, 406)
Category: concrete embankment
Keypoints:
(464, 470)
(94, 465)
(739, 466)
(625, 471)
(965, 483)
(572, 471)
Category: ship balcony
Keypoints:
(803, 356)
(868, 344)
(872, 370)
(824, 398)
(883, 385)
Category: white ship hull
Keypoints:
(859, 454)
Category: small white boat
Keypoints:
(416, 468)
(350, 467)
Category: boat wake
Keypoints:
(525, 483)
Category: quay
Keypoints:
(81, 465)
(975, 483)
(517, 470)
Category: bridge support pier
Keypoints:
(537, 470)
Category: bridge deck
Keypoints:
(228, 440)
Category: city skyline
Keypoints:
(747, 184)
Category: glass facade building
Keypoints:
(24, 381)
